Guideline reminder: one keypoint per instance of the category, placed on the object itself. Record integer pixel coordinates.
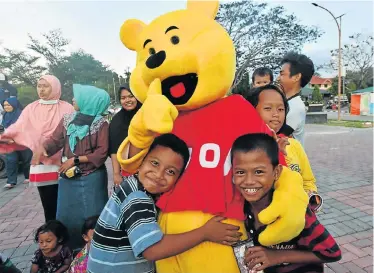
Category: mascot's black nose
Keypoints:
(156, 60)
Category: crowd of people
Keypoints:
(86, 230)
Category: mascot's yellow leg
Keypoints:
(205, 258)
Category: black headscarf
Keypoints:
(119, 126)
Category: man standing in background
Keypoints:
(296, 72)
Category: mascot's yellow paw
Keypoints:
(156, 116)
(287, 209)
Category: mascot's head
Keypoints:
(187, 50)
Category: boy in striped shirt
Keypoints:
(255, 164)
(127, 237)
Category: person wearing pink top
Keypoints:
(34, 126)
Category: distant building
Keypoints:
(322, 83)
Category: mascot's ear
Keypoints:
(209, 8)
(129, 33)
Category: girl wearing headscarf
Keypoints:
(36, 124)
(13, 110)
(83, 136)
(119, 126)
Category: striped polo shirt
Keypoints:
(314, 238)
(126, 227)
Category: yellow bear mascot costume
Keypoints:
(185, 66)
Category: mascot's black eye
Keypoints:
(174, 40)
(152, 51)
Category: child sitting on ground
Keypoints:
(79, 264)
(127, 237)
(53, 256)
(256, 167)
(262, 76)
(271, 103)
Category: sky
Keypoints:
(94, 25)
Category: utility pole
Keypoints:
(339, 24)
(114, 91)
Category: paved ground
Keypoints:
(342, 160)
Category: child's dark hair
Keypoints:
(262, 72)
(260, 141)
(89, 223)
(299, 63)
(253, 95)
(57, 228)
(176, 144)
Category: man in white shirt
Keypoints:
(296, 72)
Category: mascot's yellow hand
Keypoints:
(285, 217)
(156, 116)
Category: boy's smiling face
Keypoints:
(160, 170)
(253, 174)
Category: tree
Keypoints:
(361, 80)
(27, 94)
(127, 75)
(350, 87)
(262, 35)
(78, 67)
(357, 57)
(53, 49)
(20, 66)
(316, 95)
(243, 86)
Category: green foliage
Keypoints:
(262, 35)
(350, 123)
(27, 94)
(316, 95)
(363, 80)
(334, 86)
(349, 87)
(20, 66)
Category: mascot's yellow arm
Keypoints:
(130, 165)
(289, 205)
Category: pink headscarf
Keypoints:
(38, 121)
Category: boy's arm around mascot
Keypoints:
(285, 217)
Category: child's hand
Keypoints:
(117, 177)
(258, 258)
(221, 233)
(282, 143)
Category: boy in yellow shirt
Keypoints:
(271, 104)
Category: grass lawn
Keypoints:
(350, 123)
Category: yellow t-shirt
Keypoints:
(297, 160)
